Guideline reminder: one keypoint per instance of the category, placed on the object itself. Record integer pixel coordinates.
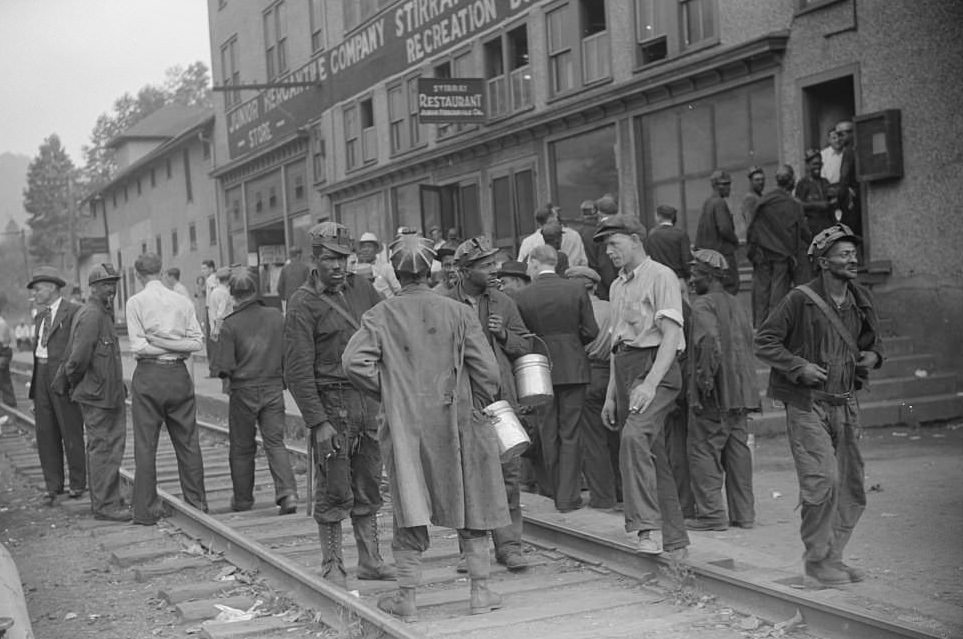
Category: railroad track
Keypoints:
(580, 585)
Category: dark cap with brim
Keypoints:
(47, 274)
(625, 224)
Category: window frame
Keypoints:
(212, 228)
(275, 34)
(447, 131)
(513, 102)
(174, 246)
(192, 235)
(316, 25)
(675, 30)
(319, 155)
(369, 134)
(230, 74)
(575, 45)
(352, 136)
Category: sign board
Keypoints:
(271, 254)
(394, 41)
(92, 245)
(451, 100)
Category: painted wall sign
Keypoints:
(451, 100)
(414, 31)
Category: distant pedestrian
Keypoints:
(815, 193)
(552, 236)
(250, 356)
(717, 228)
(163, 333)
(821, 342)
(208, 273)
(645, 380)
(293, 275)
(172, 280)
(219, 305)
(560, 313)
(722, 390)
(373, 264)
(548, 216)
(448, 271)
(60, 425)
(598, 260)
(425, 356)
(757, 184)
(667, 244)
(93, 376)
(7, 338)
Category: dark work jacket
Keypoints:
(315, 336)
(560, 312)
(716, 228)
(670, 245)
(598, 260)
(57, 340)
(796, 333)
(814, 195)
(778, 228)
(494, 302)
(250, 349)
(93, 366)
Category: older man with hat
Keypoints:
(722, 390)
(447, 272)
(60, 425)
(94, 377)
(513, 276)
(428, 360)
(717, 229)
(821, 341)
(322, 316)
(645, 380)
(507, 335)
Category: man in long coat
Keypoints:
(717, 229)
(427, 359)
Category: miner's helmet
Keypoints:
(411, 253)
(102, 273)
(332, 236)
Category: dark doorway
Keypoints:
(824, 105)
(451, 206)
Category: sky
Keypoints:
(64, 62)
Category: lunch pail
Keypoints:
(533, 378)
(511, 435)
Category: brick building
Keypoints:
(640, 98)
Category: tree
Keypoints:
(187, 86)
(51, 193)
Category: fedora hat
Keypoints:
(47, 274)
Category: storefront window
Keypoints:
(583, 168)
(366, 214)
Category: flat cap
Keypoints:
(583, 271)
(719, 177)
(829, 236)
(102, 273)
(477, 248)
(47, 274)
(332, 236)
(712, 260)
(448, 248)
(625, 224)
(753, 170)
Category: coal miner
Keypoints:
(321, 316)
(821, 342)
(427, 358)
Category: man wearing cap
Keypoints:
(644, 382)
(60, 425)
(507, 336)
(93, 376)
(548, 216)
(669, 245)
(7, 337)
(322, 315)
(599, 445)
(293, 275)
(757, 184)
(373, 263)
(560, 313)
(513, 277)
(249, 355)
(717, 229)
(776, 239)
(163, 332)
(821, 341)
(447, 270)
(722, 390)
(814, 192)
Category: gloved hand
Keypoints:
(325, 440)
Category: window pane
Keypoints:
(463, 66)
(584, 168)
(468, 203)
(697, 156)
(563, 72)
(661, 144)
(593, 16)
(696, 191)
(732, 130)
(518, 47)
(367, 114)
(525, 202)
(396, 105)
(494, 64)
(762, 107)
(502, 208)
(556, 29)
(407, 203)
(650, 19)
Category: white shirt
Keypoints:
(157, 311)
(832, 163)
(209, 285)
(41, 351)
(571, 246)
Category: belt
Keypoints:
(623, 347)
(834, 399)
(42, 360)
(160, 362)
(324, 386)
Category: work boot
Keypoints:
(332, 566)
(479, 568)
(826, 573)
(462, 566)
(370, 563)
(401, 603)
(836, 557)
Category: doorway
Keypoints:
(451, 206)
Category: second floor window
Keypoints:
(230, 76)
(319, 155)
(666, 28)
(578, 45)
(369, 138)
(352, 137)
(192, 235)
(508, 72)
(275, 41)
(316, 8)
(403, 127)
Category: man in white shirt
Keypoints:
(163, 332)
(832, 156)
(172, 280)
(571, 241)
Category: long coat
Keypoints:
(427, 359)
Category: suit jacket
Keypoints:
(57, 340)
(669, 245)
(560, 312)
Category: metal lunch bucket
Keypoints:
(533, 377)
(511, 435)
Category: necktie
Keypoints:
(44, 326)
